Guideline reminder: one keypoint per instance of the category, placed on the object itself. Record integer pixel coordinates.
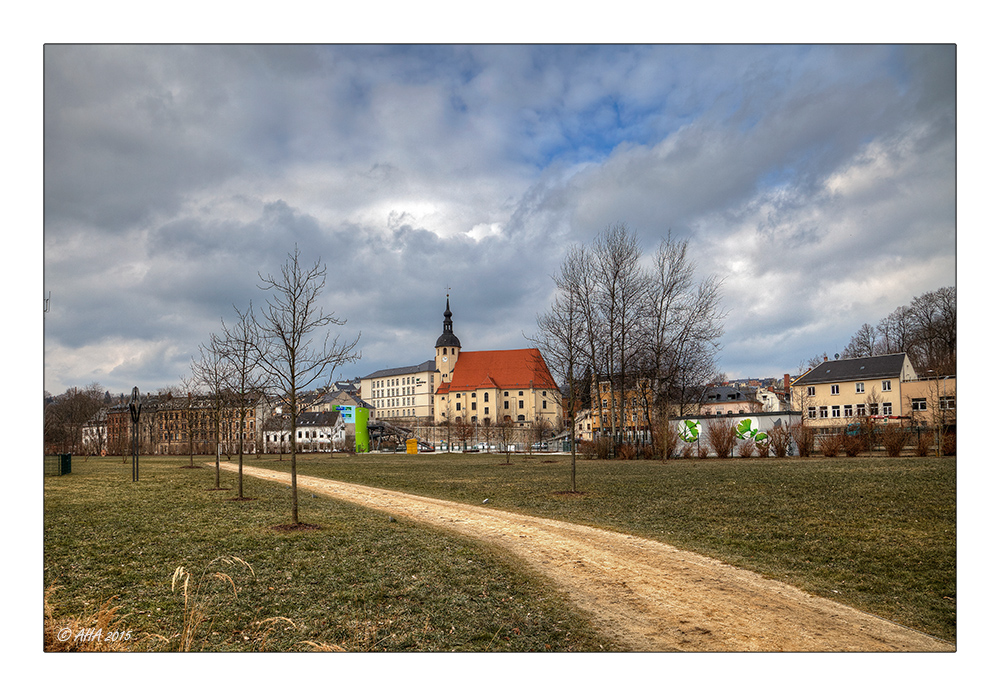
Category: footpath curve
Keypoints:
(646, 594)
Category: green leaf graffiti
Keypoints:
(689, 431)
(745, 431)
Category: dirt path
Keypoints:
(646, 594)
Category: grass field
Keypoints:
(359, 583)
(877, 534)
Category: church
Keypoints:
(466, 386)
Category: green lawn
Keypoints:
(878, 534)
(360, 582)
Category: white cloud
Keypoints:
(819, 180)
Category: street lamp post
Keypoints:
(135, 409)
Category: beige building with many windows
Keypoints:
(402, 393)
(837, 393)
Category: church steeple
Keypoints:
(448, 338)
(448, 347)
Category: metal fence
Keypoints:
(58, 464)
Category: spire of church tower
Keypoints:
(448, 338)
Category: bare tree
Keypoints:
(619, 285)
(189, 386)
(505, 432)
(214, 372)
(561, 339)
(864, 343)
(247, 381)
(935, 316)
(288, 354)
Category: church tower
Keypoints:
(447, 348)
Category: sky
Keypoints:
(818, 182)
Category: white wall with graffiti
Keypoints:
(692, 431)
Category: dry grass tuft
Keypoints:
(195, 605)
(322, 647)
(95, 632)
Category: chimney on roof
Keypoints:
(824, 357)
(787, 382)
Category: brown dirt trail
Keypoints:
(646, 594)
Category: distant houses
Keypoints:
(482, 397)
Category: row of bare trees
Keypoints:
(66, 416)
(649, 326)
(284, 348)
(926, 330)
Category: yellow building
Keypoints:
(837, 393)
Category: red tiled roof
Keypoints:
(500, 369)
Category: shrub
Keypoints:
(804, 439)
(687, 451)
(830, 445)
(667, 441)
(746, 448)
(779, 438)
(894, 440)
(948, 445)
(600, 448)
(722, 437)
(853, 445)
(923, 445)
(626, 450)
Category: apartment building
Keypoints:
(837, 393)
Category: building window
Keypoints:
(886, 385)
(919, 404)
(810, 391)
(506, 405)
(834, 389)
(520, 404)
(861, 410)
(486, 411)
(823, 413)
(859, 387)
(520, 393)
(486, 396)
(848, 410)
(812, 412)
(545, 404)
(947, 403)
(835, 412)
